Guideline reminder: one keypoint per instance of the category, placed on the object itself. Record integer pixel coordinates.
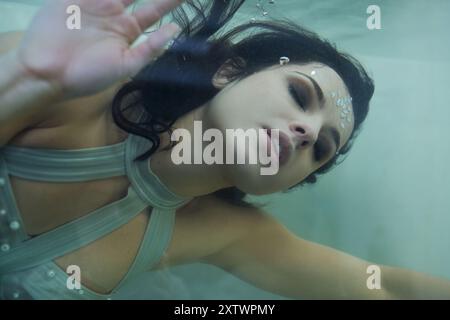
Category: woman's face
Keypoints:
(299, 100)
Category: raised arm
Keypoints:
(54, 63)
(272, 258)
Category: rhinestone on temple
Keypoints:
(343, 104)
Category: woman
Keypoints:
(89, 185)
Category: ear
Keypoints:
(222, 76)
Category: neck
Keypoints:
(187, 180)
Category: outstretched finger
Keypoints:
(136, 58)
(150, 13)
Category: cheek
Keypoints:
(258, 102)
(231, 101)
(220, 111)
(249, 180)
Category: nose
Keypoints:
(304, 135)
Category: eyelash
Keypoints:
(321, 148)
(295, 95)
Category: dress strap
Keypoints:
(73, 235)
(55, 165)
(146, 183)
(154, 245)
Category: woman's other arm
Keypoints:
(272, 258)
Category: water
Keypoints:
(388, 202)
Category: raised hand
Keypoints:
(85, 61)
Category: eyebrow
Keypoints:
(334, 132)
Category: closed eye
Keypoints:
(296, 96)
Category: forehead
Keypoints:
(335, 94)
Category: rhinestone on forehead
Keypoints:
(284, 61)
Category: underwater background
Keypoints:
(389, 201)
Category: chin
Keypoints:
(248, 179)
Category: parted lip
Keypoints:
(285, 145)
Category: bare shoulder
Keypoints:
(207, 225)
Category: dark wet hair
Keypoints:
(181, 79)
